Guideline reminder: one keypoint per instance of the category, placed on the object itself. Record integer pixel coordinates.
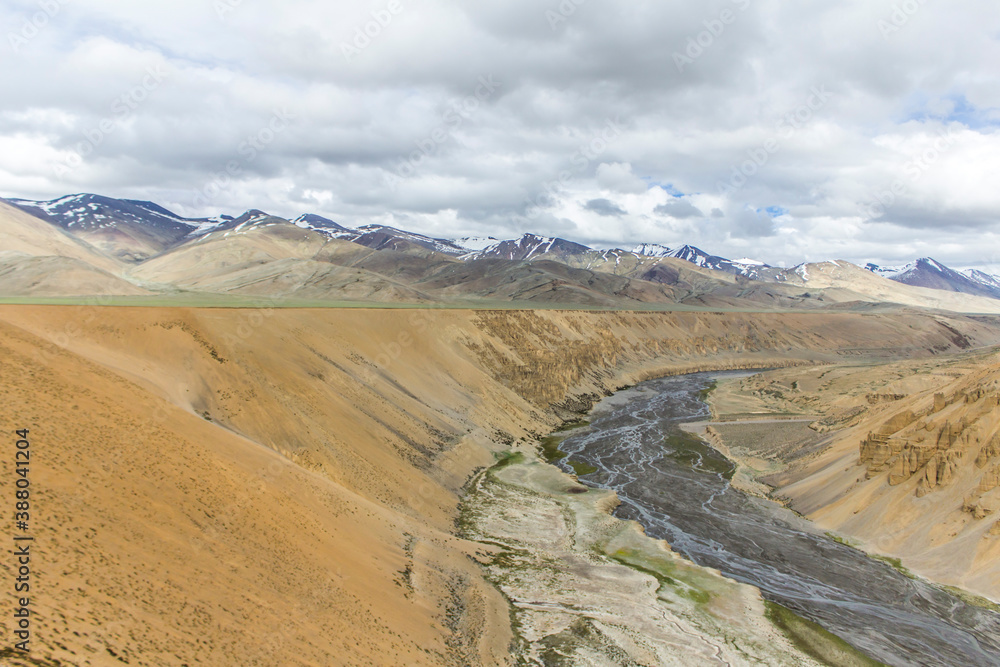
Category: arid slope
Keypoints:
(247, 487)
(904, 458)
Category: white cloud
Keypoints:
(593, 110)
(618, 177)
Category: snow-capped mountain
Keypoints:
(749, 268)
(135, 231)
(382, 237)
(927, 272)
(914, 272)
(530, 246)
(128, 229)
(652, 250)
(84, 212)
(319, 223)
(889, 272)
(982, 278)
(475, 243)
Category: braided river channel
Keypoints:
(678, 488)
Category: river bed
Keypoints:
(677, 487)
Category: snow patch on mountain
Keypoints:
(475, 243)
(891, 272)
(982, 277)
(87, 211)
(528, 247)
(652, 250)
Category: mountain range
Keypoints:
(926, 272)
(90, 244)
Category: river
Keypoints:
(677, 487)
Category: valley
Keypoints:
(243, 424)
(897, 459)
(322, 456)
(679, 490)
(470, 334)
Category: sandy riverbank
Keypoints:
(754, 446)
(795, 436)
(589, 589)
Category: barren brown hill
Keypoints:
(904, 460)
(856, 283)
(249, 487)
(282, 260)
(26, 234)
(258, 254)
(26, 275)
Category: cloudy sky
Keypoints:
(786, 131)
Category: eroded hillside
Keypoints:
(908, 463)
(226, 486)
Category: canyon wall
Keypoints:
(280, 486)
(916, 473)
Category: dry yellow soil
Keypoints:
(281, 487)
(902, 459)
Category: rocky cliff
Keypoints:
(910, 464)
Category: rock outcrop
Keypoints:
(916, 478)
(928, 445)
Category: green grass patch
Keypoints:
(195, 300)
(552, 454)
(842, 540)
(972, 599)
(550, 449)
(581, 468)
(572, 426)
(686, 582)
(550, 443)
(665, 572)
(815, 641)
(707, 391)
(505, 459)
(183, 299)
(692, 451)
(895, 564)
